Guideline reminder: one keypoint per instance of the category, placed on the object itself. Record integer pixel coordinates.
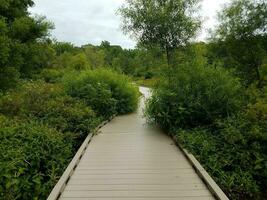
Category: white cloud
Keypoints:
(92, 21)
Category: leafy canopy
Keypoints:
(23, 42)
(242, 38)
(243, 18)
(167, 24)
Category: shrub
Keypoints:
(104, 90)
(230, 164)
(49, 104)
(150, 83)
(32, 157)
(30, 96)
(51, 75)
(206, 111)
(148, 75)
(9, 77)
(233, 152)
(72, 61)
(79, 62)
(194, 96)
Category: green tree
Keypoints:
(12, 9)
(241, 37)
(111, 52)
(64, 47)
(23, 42)
(169, 24)
(79, 62)
(95, 57)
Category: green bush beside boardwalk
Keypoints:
(205, 110)
(195, 96)
(43, 124)
(106, 92)
(33, 156)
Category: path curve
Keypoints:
(129, 160)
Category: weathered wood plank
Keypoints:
(143, 198)
(147, 171)
(135, 187)
(125, 194)
(134, 176)
(135, 181)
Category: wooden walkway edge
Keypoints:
(131, 160)
(61, 184)
(203, 174)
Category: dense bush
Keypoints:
(24, 43)
(195, 96)
(41, 127)
(51, 75)
(104, 90)
(233, 152)
(204, 109)
(33, 156)
(49, 104)
(150, 83)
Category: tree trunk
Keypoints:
(170, 64)
(168, 53)
(258, 76)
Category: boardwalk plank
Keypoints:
(143, 198)
(121, 194)
(135, 187)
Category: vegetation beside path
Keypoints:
(42, 125)
(211, 96)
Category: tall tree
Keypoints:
(168, 24)
(242, 36)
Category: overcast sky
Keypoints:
(92, 21)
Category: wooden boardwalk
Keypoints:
(128, 160)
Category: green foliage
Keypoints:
(168, 24)
(12, 9)
(230, 143)
(64, 47)
(196, 96)
(57, 109)
(139, 62)
(38, 56)
(104, 90)
(96, 57)
(240, 39)
(79, 62)
(42, 123)
(23, 42)
(32, 157)
(165, 23)
(150, 83)
(221, 123)
(72, 61)
(41, 127)
(9, 77)
(232, 154)
(243, 18)
(27, 29)
(51, 75)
